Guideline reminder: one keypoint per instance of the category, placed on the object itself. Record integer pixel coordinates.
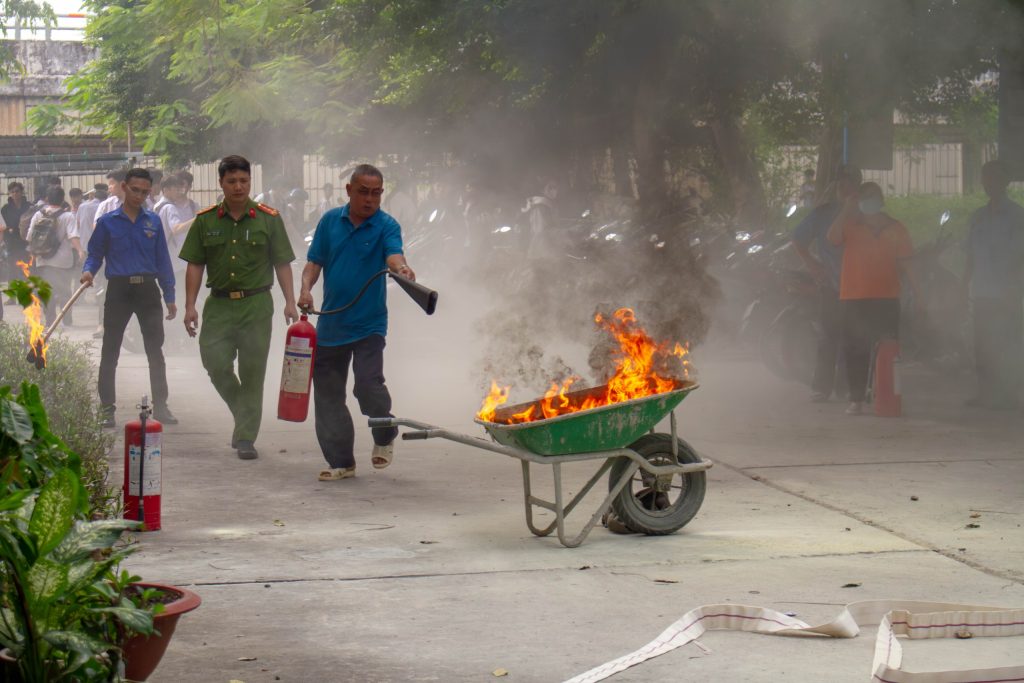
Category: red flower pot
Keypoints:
(142, 653)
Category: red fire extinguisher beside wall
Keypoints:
(143, 468)
(888, 402)
(297, 373)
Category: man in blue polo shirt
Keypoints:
(131, 240)
(351, 244)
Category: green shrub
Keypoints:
(67, 388)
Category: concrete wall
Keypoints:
(47, 64)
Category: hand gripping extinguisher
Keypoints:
(888, 402)
(142, 468)
(297, 373)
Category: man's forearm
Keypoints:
(193, 280)
(310, 274)
(396, 261)
(284, 278)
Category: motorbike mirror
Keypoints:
(944, 218)
(585, 214)
(791, 211)
(433, 215)
(504, 228)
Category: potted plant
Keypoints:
(65, 613)
(142, 652)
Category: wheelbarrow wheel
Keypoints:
(658, 505)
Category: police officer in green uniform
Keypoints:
(243, 244)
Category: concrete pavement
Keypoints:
(426, 571)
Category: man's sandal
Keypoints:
(337, 473)
(382, 456)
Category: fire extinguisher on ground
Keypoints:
(297, 373)
(142, 468)
(888, 401)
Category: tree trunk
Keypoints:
(740, 170)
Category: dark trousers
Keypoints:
(830, 315)
(60, 290)
(865, 323)
(334, 428)
(998, 342)
(123, 300)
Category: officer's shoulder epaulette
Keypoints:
(207, 209)
(268, 209)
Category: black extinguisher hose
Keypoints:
(424, 296)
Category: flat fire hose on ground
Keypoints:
(913, 619)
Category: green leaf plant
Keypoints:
(64, 608)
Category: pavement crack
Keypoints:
(871, 523)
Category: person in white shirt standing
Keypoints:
(53, 241)
(176, 213)
(85, 217)
(114, 180)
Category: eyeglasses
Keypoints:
(142, 192)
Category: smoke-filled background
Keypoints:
(549, 160)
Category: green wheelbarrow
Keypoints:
(656, 481)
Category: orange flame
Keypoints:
(639, 366)
(494, 399)
(34, 318)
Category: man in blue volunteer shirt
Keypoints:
(351, 244)
(131, 240)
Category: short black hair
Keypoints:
(15, 185)
(117, 175)
(100, 187)
(186, 176)
(53, 180)
(140, 173)
(365, 170)
(75, 192)
(233, 162)
(55, 195)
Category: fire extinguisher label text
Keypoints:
(297, 360)
(151, 486)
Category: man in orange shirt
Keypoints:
(876, 251)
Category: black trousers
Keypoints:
(830, 315)
(123, 300)
(998, 346)
(334, 428)
(865, 323)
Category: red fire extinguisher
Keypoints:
(888, 402)
(142, 468)
(297, 373)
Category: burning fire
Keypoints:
(34, 317)
(637, 365)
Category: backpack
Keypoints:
(45, 238)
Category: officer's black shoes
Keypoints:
(107, 417)
(164, 415)
(246, 450)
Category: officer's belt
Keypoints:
(239, 293)
(132, 279)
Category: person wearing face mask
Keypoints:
(876, 252)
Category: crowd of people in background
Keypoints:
(862, 260)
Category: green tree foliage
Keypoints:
(563, 82)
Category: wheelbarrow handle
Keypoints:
(377, 422)
(413, 436)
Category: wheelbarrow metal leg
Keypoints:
(560, 512)
(531, 501)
